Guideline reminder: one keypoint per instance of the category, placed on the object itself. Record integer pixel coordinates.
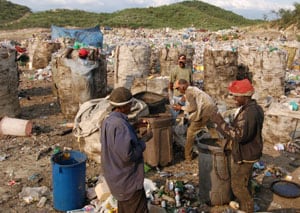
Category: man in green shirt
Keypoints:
(180, 72)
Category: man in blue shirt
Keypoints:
(122, 155)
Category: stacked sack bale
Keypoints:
(132, 60)
(9, 82)
(220, 68)
(77, 80)
(43, 53)
(267, 65)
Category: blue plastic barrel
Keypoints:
(68, 179)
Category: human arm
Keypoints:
(221, 125)
(171, 86)
(173, 78)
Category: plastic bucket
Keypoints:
(16, 127)
(68, 180)
(214, 173)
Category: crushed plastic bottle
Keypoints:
(85, 209)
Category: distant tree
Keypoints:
(265, 17)
(288, 17)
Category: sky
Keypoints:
(252, 9)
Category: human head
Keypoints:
(83, 53)
(181, 85)
(121, 99)
(242, 90)
(182, 60)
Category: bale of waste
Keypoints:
(267, 67)
(9, 82)
(131, 61)
(280, 122)
(43, 53)
(76, 81)
(220, 68)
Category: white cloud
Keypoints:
(253, 8)
(252, 4)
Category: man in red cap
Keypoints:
(244, 134)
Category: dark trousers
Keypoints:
(240, 177)
(136, 204)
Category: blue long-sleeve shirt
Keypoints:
(121, 156)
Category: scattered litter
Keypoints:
(12, 182)
(43, 152)
(276, 205)
(180, 174)
(279, 147)
(3, 157)
(31, 194)
(165, 174)
(42, 202)
(234, 205)
(35, 178)
(259, 165)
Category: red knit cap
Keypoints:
(241, 88)
(83, 53)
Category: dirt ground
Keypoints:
(25, 161)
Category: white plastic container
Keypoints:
(15, 127)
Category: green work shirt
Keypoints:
(180, 73)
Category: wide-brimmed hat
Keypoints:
(120, 96)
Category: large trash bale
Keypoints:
(32, 45)
(87, 123)
(267, 67)
(280, 122)
(43, 53)
(220, 68)
(9, 82)
(76, 81)
(131, 61)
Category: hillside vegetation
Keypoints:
(178, 15)
(11, 12)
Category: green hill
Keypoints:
(178, 15)
(11, 12)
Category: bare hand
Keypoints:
(176, 107)
(183, 99)
(141, 123)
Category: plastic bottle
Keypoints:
(177, 197)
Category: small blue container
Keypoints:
(68, 179)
